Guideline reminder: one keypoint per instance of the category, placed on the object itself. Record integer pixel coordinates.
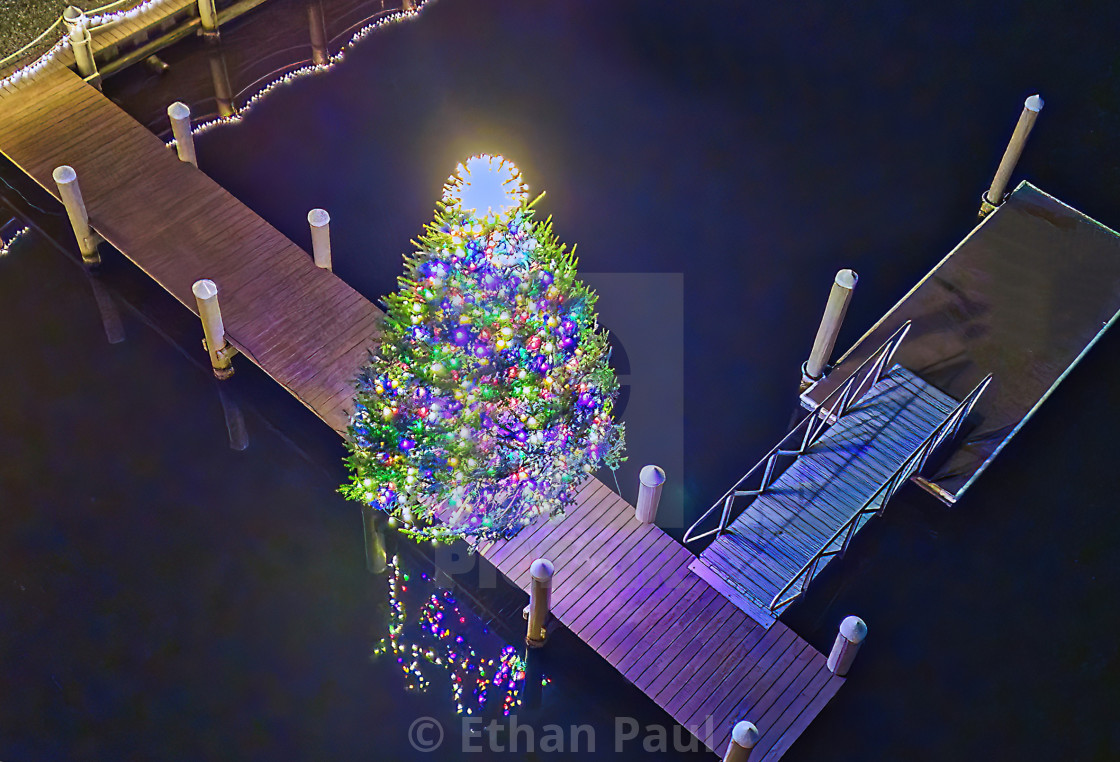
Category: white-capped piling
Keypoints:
(213, 329)
(540, 598)
(852, 633)
(180, 115)
(838, 300)
(71, 194)
(320, 223)
(744, 736)
(77, 29)
(994, 195)
(650, 481)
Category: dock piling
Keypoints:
(208, 14)
(540, 595)
(67, 181)
(838, 300)
(744, 736)
(651, 480)
(214, 331)
(180, 115)
(993, 197)
(852, 633)
(320, 223)
(76, 21)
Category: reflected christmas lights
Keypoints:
(438, 639)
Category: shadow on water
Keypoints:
(753, 152)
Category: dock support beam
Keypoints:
(651, 479)
(180, 115)
(838, 300)
(214, 331)
(540, 595)
(744, 736)
(994, 195)
(320, 223)
(80, 39)
(852, 633)
(67, 180)
(208, 14)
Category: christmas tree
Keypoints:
(490, 398)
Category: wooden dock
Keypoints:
(622, 586)
(302, 325)
(625, 589)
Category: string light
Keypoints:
(91, 23)
(390, 17)
(438, 640)
(490, 399)
(7, 244)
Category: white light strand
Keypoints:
(6, 246)
(303, 71)
(58, 47)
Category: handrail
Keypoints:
(841, 400)
(916, 461)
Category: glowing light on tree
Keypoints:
(490, 398)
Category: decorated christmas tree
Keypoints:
(489, 400)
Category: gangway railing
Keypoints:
(804, 435)
(877, 503)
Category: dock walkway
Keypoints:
(622, 586)
(302, 325)
(781, 530)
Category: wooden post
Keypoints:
(320, 223)
(994, 195)
(208, 14)
(837, 306)
(848, 640)
(318, 26)
(214, 331)
(67, 180)
(540, 595)
(75, 20)
(744, 736)
(650, 480)
(180, 115)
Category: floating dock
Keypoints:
(1023, 297)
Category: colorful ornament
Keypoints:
(490, 398)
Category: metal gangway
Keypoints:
(802, 503)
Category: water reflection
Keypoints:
(223, 92)
(438, 639)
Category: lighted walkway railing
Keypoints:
(101, 16)
(838, 543)
(805, 434)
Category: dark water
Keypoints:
(172, 596)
